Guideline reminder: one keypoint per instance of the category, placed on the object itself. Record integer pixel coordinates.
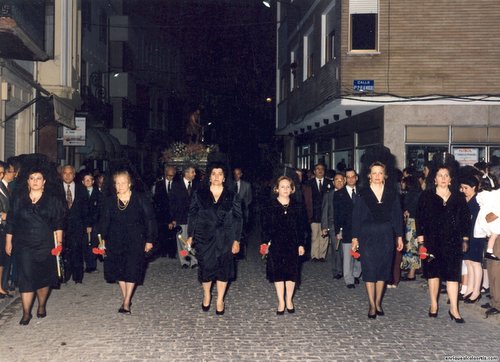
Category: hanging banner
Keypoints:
(77, 136)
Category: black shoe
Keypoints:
(220, 312)
(350, 286)
(372, 316)
(184, 266)
(25, 322)
(472, 301)
(291, 311)
(90, 270)
(432, 315)
(463, 297)
(457, 320)
(338, 276)
(78, 282)
(6, 295)
(491, 256)
(380, 312)
(194, 266)
(492, 311)
(486, 306)
(314, 260)
(280, 312)
(406, 279)
(41, 315)
(356, 280)
(205, 308)
(322, 260)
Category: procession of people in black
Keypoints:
(57, 225)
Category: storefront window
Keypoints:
(495, 156)
(468, 155)
(342, 160)
(417, 155)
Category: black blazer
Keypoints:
(343, 206)
(77, 217)
(180, 201)
(161, 203)
(95, 201)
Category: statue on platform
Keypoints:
(194, 129)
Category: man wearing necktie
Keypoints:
(244, 189)
(180, 200)
(343, 204)
(95, 199)
(75, 236)
(313, 198)
(161, 201)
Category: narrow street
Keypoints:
(167, 322)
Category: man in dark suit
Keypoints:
(166, 236)
(4, 209)
(180, 199)
(328, 223)
(95, 199)
(313, 198)
(244, 189)
(75, 238)
(343, 203)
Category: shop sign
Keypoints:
(363, 85)
(466, 155)
(77, 136)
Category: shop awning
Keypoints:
(100, 145)
(64, 111)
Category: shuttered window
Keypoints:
(363, 25)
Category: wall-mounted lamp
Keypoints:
(348, 112)
(267, 3)
(302, 130)
(316, 124)
(326, 120)
(336, 117)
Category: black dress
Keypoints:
(126, 230)
(443, 225)
(283, 226)
(214, 226)
(476, 245)
(32, 228)
(376, 225)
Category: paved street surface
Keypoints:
(167, 322)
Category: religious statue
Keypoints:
(194, 128)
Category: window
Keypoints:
(293, 69)
(328, 35)
(308, 56)
(363, 25)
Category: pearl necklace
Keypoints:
(120, 202)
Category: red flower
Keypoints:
(355, 254)
(56, 251)
(263, 249)
(422, 253)
(184, 253)
(98, 251)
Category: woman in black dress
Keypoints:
(214, 230)
(377, 224)
(473, 257)
(33, 220)
(282, 230)
(127, 224)
(443, 227)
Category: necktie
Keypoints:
(320, 186)
(353, 192)
(237, 188)
(69, 197)
(169, 186)
(189, 188)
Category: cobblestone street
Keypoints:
(167, 322)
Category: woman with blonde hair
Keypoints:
(283, 233)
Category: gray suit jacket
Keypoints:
(245, 192)
(4, 200)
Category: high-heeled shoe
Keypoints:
(25, 322)
(472, 301)
(457, 320)
(372, 316)
(290, 310)
(41, 315)
(433, 315)
(220, 312)
(205, 308)
(463, 297)
(280, 312)
(379, 312)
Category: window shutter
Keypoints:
(363, 6)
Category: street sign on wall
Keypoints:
(77, 136)
(359, 85)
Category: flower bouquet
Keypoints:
(423, 254)
(264, 249)
(101, 248)
(355, 254)
(182, 153)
